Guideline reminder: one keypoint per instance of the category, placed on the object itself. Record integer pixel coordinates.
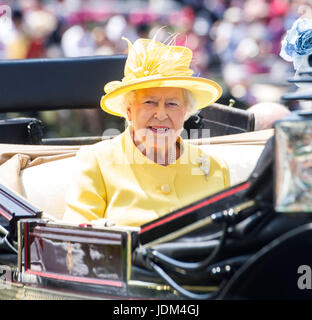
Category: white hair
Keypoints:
(191, 103)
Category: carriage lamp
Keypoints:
(293, 163)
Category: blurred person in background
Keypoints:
(18, 41)
(103, 45)
(77, 41)
(266, 113)
(39, 24)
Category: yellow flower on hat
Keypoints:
(154, 64)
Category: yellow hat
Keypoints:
(154, 64)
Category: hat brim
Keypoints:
(204, 90)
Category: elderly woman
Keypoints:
(148, 170)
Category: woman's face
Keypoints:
(157, 116)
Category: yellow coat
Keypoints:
(115, 180)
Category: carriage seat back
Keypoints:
(45, 185)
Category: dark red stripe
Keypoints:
(77, 279)
(5, 215)
(195, 207)
(25, 246)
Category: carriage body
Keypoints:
(51, 259)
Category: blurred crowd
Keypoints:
(235, 42)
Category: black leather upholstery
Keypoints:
(220, 120)
(21, 131)
(51, 84)
(223, 120)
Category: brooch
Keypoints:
(204, 165)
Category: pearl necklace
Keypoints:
(172, 153)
